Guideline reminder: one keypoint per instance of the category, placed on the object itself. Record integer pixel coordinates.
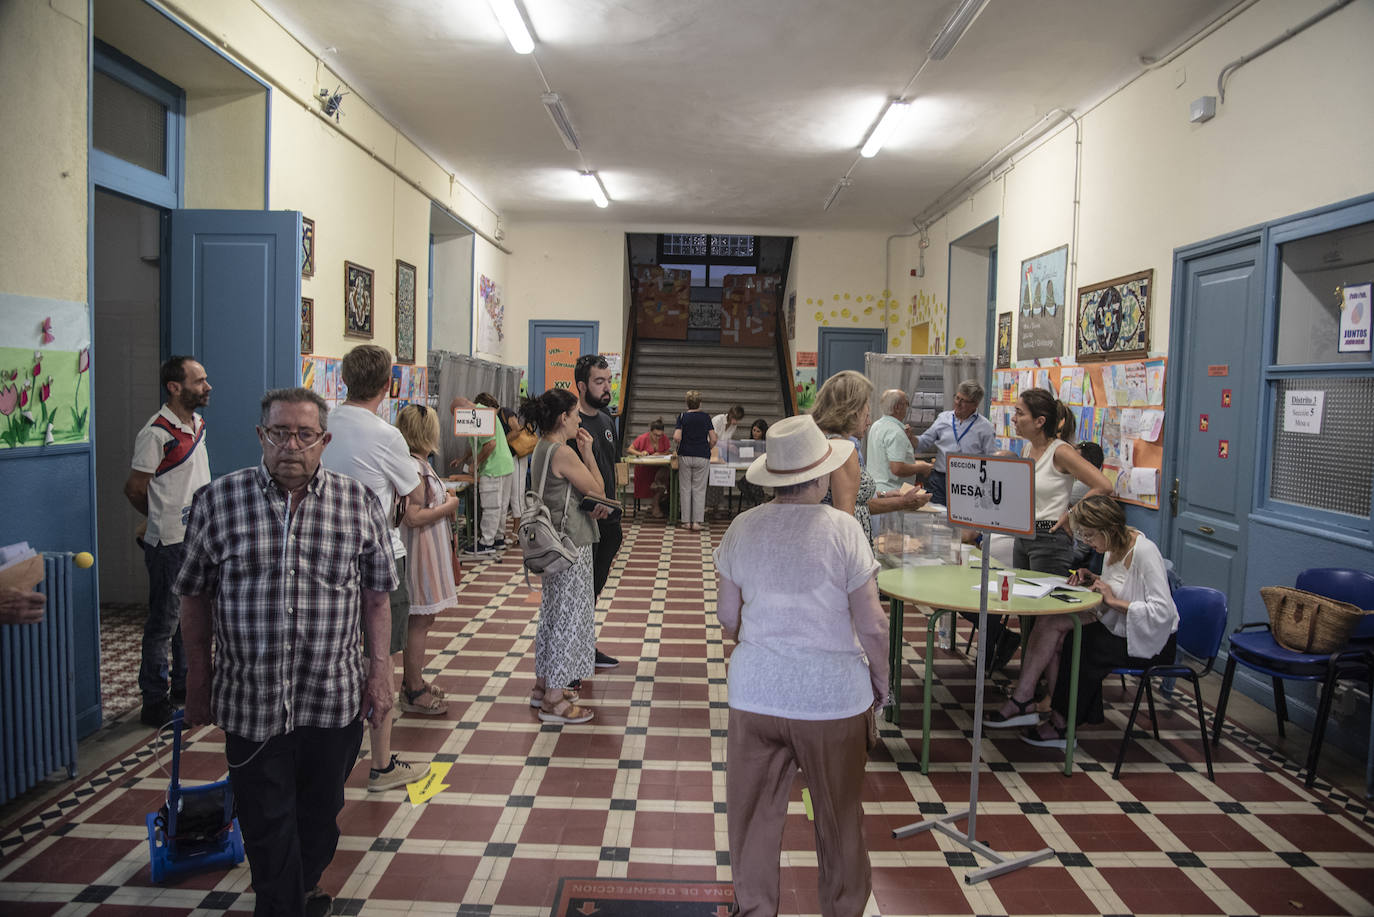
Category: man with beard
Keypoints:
(170, 464)
(592, 376)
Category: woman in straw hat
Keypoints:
(796, 586)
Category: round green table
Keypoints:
(950, 588)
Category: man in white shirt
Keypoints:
(727, 425)
(170, 464)
(890, 454)
(372, 451)
(960, 431)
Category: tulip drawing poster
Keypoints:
(45, 371)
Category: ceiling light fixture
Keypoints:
(513, 24)
(955, 27)
(892, 116)
(554, 103)
(595, 190)
(835, 192)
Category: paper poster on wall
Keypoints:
(45, 379)
(1040, 328)
(614, 365)
(491, 316)
(1302, 412)
(560, 355)
(1355, 324)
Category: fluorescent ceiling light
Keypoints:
(835, 192)
(591, 182)
(513, 24)
(554, 103)
(896, 111)
(955, 27)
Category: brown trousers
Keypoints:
(761, 758)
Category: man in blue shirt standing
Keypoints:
(962, 431)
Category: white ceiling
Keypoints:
(728, 113)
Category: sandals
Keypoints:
(1032, 736)
(537, 696)
(435, 707)
(566, 711)
(1025, 715)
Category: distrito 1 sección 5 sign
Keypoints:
(992, 492)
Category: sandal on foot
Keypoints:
(1025, 715)
(537, 696)
(435, 691)
(408, 702)
(1057, 738)
(566, 711)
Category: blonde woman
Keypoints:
(427, 531)
(694, 436)
(842, 412)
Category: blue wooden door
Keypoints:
(234, 285)
(1213, 394)
(563, 337)
(844, 348)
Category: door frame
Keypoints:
(584, 329)
(822, 369)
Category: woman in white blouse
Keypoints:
(797, 591)
(1136, 623)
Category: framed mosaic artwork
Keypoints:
(307, 247)
(307, 325)
(405, 312)
(1114, 318)
(358, 300)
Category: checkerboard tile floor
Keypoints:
(639, 793)
(121, 652)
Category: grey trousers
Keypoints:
(692, 472)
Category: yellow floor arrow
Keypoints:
(423, 790)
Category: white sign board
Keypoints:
(990, 492)
(721, 476)
(474, 422)
(1355, 322)
(1302, 412)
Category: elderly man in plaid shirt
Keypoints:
(287, 562)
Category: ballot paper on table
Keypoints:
(1055, 582)
(1025, 590)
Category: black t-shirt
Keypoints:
(696, 434)
(602, 428)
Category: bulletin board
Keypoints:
(1118, 404)
(662, 302)
(749, 310)
(409, 385)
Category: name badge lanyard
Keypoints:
(958, 435)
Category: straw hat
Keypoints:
(797, 452)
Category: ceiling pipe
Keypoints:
(1272, 44)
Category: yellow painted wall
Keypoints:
(43, 149)
(1290, 136)
(225, 135)
(840, 284)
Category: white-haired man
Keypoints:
(890, 454)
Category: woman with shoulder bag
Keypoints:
(565, 642)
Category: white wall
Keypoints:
(1293, 134)
(968, 299)
(453, 292)
(840, 283)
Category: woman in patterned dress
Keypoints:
(565, 642)
(842, 411)
(428, 535)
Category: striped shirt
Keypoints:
(174, 454)
(287, 597)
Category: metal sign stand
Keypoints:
(975, 514)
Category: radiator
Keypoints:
(38, 688)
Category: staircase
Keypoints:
(661, 372)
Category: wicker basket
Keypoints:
(1308, 623)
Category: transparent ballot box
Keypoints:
(913, 539)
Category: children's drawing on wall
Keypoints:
(804, 380)
(45, 362)
(1040, 328)
(928, 321)
(867, 310)
(491, 316)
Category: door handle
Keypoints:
(1206, 530)
(1173, 498)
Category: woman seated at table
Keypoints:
(747, 490)
(797, 592)
(842, 411)
(651, 480)
(1134, 625)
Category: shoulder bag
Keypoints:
(548, 550)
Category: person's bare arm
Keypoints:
(844, 485)
(579, 469)
(919, 470)
(417, 516)
(485, 452)
(893, 501)
(1070, 462)
(871, 627)
(729, 601)
(136, 489)
(195, 635)
(378, 690)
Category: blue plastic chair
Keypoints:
(1254, 647)
(1201, 625)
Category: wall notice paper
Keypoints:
(1302, 412)
(474, 422)
(1144, 482)
(721, 476)
(1355, 324)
